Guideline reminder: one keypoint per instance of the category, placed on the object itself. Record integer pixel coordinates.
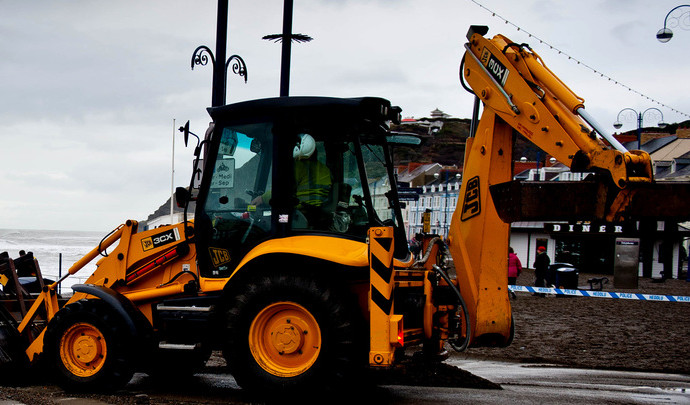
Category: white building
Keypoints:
(440, 198)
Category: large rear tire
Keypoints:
(89, 347)
(288, 332)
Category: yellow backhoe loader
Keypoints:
(296, 263)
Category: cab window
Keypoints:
(241, 176)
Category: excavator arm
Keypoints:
(520, 93)
(515, 84)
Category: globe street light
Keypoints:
(640, 117)
(665, 34)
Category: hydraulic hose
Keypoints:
(461, 301)
(178, 275)
(463, 305)
(427, 253)
(462, 78)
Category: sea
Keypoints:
(56, 251)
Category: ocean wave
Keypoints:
(6, 242)
(47, 246)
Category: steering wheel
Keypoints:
(253, 194)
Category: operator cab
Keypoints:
(281, 167)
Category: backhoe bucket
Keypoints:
(590, 201)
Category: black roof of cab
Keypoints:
(331, 109)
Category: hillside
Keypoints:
(445, 146)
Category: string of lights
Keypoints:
(572, 58)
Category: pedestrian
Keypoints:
(541, 268)
(415, 248)
(514, 269)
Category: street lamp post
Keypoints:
(220, 65)
(640, 117)
(446, 226)
(286, 39)
(437, 176)
(665, 34)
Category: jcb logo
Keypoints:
(161, 239)
(219, 256)
(486, 54)
(471, 206)
(147, 243)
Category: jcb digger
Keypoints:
(296, 263)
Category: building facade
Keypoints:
(439, 199)
(589, 246)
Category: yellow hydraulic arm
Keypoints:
(519, 93)
(514, 83)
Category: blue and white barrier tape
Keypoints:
(600, 294)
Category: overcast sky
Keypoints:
(89, 89)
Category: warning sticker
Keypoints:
(494, 66)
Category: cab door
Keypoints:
(230, 217)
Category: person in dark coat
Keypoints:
(541, 267)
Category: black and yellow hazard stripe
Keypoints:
(381, 295)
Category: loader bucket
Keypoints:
(11, 348)
(590, 201)
(21, 313)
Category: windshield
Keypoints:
(378, 180)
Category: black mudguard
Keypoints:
(118, 302)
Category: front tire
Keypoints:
(89, 347)
(285, 332)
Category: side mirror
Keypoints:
(395, 115)
(182, 197)
(185, 131)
